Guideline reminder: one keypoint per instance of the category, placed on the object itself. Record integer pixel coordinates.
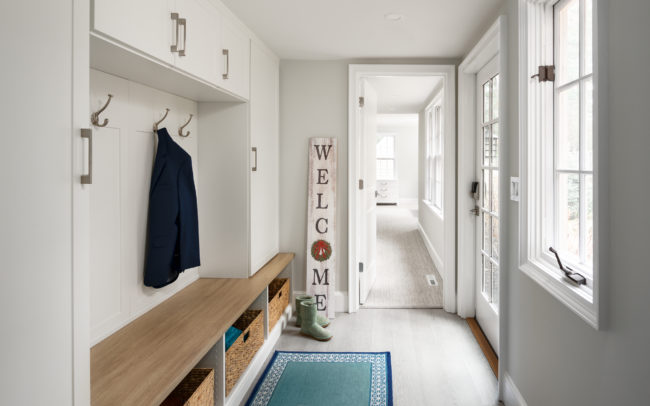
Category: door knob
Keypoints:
(476, 211)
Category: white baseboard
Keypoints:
(432, 252)
(340, 300)
(511, 394)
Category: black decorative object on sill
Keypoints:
(568, 272)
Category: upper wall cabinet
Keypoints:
(235, 54)
(186, 47)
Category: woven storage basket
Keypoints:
(196, 389)
(278, 300)
(242, 351)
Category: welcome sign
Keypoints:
(321, 223)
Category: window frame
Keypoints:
(434, 155)
(537, 161)
(391, 135)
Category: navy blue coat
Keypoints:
(173, 227)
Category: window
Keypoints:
(434, 155)
(559, 141)
(386, 157)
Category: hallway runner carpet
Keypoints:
(324, 379)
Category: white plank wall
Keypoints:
(123, 153)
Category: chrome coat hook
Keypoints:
(94, 118)
(155, 126)
(180, 129)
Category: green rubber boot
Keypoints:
(310, 326)
(322, 320)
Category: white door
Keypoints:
(198, 41)
(234, 59)
(368, 198)
(264, 178)
(487, 225)
(145, 25)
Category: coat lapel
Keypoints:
(161, 157)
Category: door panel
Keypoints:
(237, 63)
(368, 199)
(145, 25)
(200, 39)
(264, 137)
(487, 224)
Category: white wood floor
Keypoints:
(435, 358)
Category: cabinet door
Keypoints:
(235, 59)
(198, 39)
(145, 25)
(264, 182)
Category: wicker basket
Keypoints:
(278, 300)
(242, 351)
(196, 389)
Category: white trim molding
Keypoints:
(432, 251)
(448, 75)
(535, 129)
(511, 394)
(483, 52)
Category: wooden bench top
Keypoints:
(144, 361)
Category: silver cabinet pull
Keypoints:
(226, 53)
(88, 179)
(183, 22)
(174, 48)
(255, 165)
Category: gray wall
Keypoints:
(314, 103)
(553, 356)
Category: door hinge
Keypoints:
(545, 73)
(360, 266)
(360, 184)
(362, 101)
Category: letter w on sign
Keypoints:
(321, 223)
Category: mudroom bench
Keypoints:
(144, 361)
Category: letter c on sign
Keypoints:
(318, 225)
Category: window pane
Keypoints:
(588, 126)
(568, 131)
(486, 101)
(386, 146)
(486, 146)
(487, 232)
(495, 97)
(385, 169)
(487, 278)
(568, 214)
(495, 190)
(495, 144)
(486, 189)
(495, 238)
(588, 34)
(568, 41)
(589, 237)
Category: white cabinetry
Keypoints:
(187, 35)
(234, 74)
(238, 183)
(387, 191)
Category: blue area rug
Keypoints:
(325, 379)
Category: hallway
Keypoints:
(403, 262)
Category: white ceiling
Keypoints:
(402, 95)
(337, 29)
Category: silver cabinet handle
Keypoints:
(88, 179)
(226, 53)
(255, 165)
(183, 22)
(174, 48)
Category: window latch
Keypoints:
(568, 272)
(545, 73)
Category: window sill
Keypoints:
(578, 299)
(433, 208)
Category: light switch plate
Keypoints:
(514, 189)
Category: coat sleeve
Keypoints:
(189, 219)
